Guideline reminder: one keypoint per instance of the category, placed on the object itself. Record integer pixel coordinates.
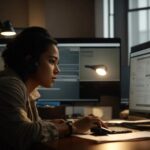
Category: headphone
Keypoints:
(31, 64)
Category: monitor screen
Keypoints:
(76, 82)
(139, 97)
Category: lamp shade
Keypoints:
(7, 29)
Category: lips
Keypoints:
(54, 78)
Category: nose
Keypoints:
(57, 69)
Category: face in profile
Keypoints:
(47, 67)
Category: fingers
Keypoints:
(104, 125)
(84, 124)
(97, 121)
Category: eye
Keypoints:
(52, 61)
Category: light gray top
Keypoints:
(20, 125)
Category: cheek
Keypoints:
(46, 70)
(44, 75)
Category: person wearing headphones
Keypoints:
(31, 60)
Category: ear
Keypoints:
(31, 63)
(36, 64)
(28, 58)
(32, 67)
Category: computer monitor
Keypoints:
(139, 95)
(77, 82)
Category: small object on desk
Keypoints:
(104, 131)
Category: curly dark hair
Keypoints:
(24, 51)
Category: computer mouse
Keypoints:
(100, 131)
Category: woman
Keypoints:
(31, 59)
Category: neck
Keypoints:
(31, 85)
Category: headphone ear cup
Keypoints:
(36, 64)
(31, 63)
(33, 67)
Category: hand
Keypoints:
(84, 124)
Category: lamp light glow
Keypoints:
(7, 33)
(100, 69)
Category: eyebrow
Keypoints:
(53, 57)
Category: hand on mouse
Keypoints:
(84, 124)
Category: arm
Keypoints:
(19, 131)
(16, 128)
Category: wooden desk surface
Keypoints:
(75, 143)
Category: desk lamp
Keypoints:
(6, 29)
(100, 69)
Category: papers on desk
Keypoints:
(117, 137)
(146, 121)
(143, 125)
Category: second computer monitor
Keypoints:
(139, 98)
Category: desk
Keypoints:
(75, 143)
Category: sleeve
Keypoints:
(16, 128)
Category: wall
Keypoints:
(99, 18)
(14, 10)
(121, 31)
(36, 13)
(63, 18)
(71, 18)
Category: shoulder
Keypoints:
(12, 92)
(8, 78)
(12, 85)
(9, 81)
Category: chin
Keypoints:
(48, 85)
(51, 85)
